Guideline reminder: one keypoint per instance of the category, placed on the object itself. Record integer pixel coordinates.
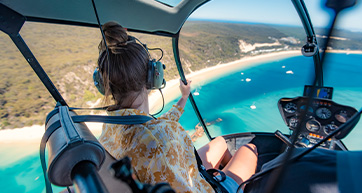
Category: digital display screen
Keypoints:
(321, 92)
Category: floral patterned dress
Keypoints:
(160, 150)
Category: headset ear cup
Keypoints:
(155, 78)
(97, 78)
(158, 75)
(150, 70)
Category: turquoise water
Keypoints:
(230, 98)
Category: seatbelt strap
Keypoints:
(123, 120)
(96, 118)
(43, 143)
(209, 177)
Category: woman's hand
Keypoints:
(185, 92)
(185, 89)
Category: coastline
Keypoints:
(27, 139)
(170, 92)
(16, 144)
(203, 76)
(345, 51)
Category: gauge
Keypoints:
(313, 125)
(323, 113)
(342, 116)
(293, 122)
(310, 109)
(330, 128)
(290, 108)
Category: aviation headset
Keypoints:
(154, 78)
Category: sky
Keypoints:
(278, 12)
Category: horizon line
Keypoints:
(353, 30)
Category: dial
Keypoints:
(290, 108)
(342, 116)
(323, 113)
(310, 109)
(293, 122)
(330, 128)
(313, 125)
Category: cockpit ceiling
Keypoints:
(144, 15)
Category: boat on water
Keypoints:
(253, 106)
(311, 158)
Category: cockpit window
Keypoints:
(241, 63)
(65, 52)
(68, 54)
(244, 59)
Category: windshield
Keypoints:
(241, 60)
(242, 57)
(250, 58)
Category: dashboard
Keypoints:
(322, 117)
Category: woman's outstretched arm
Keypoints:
(176, 111)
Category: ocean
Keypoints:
(245, 101)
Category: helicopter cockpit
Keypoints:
(298, 130)
(323, 117)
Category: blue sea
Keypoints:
(245, 100)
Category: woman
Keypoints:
(160, 150)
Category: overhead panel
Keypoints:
(144, 15)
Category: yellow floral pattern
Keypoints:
(160, 150)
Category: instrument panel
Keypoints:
(322, 117)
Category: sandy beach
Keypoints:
(16, 144)
(29, 137)
(345, 51)
(206, 75)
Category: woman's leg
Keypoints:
(214, 153)
(243, 164)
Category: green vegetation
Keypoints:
(343, 40)
(69, 54)
(204, 44)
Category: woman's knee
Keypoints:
(219, 140)
(220, 143)
(243, 164)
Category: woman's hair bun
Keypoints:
(116, 36)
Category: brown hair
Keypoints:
(124, 73)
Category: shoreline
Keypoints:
(206, 75)
(34, 133)
(345, 51)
